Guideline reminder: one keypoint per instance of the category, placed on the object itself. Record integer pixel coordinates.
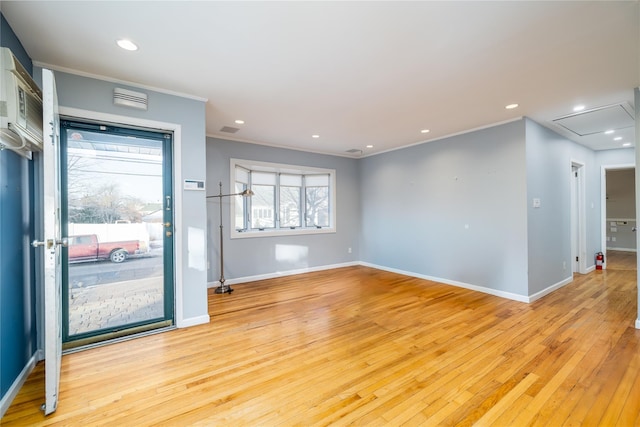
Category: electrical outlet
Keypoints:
(564, 265)
(349, 250)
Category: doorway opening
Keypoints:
(618, 215)
(117, 210)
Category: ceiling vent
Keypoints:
(354, 151)
(598, 120)
(129, 98)
(229, 129)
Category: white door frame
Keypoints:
(603, 204)
(580, 216)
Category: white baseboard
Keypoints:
(622, 249)
(550, 289)
(495, 292)
(281, 274)
(490, 291)
(593, 268)
(638, 323)
(17, 384)
(193, 321)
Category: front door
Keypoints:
(118, 216)
(51, 241)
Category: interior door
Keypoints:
(52, 240)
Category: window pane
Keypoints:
(317, 203)
(262, 206)
(290, 206)
(240, 205)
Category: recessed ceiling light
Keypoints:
(626, 144)
(617, 138)
(578, 108)
(425, 131)
(127, 44)
(511, 106)
(369, 146)
(240, 122)
(315, 136)
(609, 132)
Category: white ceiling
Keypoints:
(355, 73)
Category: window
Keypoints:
(263, 201)
(286, 199)
(290, 202)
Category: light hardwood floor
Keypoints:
(358, 346)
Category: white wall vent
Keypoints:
(129, 98)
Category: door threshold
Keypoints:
(116, 337)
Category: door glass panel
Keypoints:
(118, 227)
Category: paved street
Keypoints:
(92, 273)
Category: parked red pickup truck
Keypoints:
(87, 248)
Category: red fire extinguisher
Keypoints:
(599, 260)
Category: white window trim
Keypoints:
(281, 168)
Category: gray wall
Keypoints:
(452, 209)
(622, 156)
(96, 95)
(549, 158)
(636, 96)
(256, 256)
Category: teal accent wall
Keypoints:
(18, 332)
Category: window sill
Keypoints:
(278, 233)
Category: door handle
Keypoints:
(167, 203)
(37, 243)
(64, 242)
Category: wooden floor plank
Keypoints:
(359, 346)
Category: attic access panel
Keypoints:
(598, 120)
